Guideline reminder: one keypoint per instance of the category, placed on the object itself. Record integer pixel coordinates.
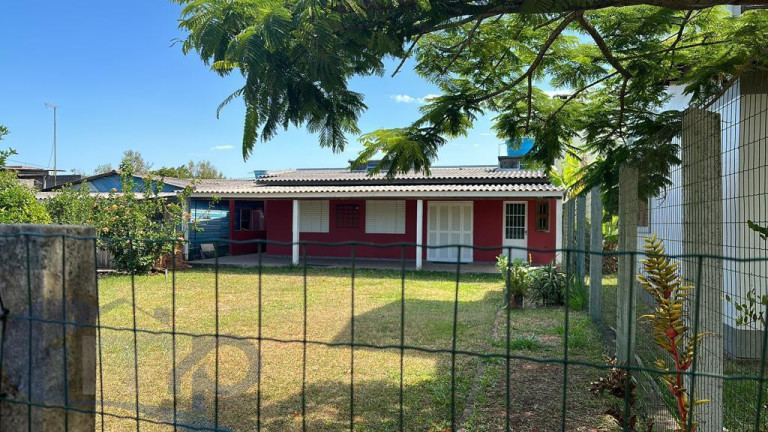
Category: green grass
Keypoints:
(428, 323)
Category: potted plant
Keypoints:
(517, 277)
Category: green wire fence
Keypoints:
(168, 417)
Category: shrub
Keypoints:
(18, 203)
(547, 285)
(518, 273)
(578, 294)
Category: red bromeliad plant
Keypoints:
(670, 333)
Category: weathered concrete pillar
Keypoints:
(569, 222)
(595, 260)
(703, 234)
(581, 235)
(626, 316)
(48, 273)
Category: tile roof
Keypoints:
(258, 189)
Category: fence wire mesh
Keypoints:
(313, 348)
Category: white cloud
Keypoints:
(223, 147)
(404, 98)
(487, 134)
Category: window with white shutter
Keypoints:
(385, 217)
(313, 216)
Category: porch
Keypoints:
(267, 260)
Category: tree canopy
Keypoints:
(192, 170)
(486, 58)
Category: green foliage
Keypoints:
(526, 343)
(578, 295)
(517, 273)
(199, 170)
(73, 206)
(103, 169)
(547, 285)
(18, 203)
(135, 162)
(762, 231)
(5, 154)
(297, 58)
(137, 228)
(750, 311)
(670, 332)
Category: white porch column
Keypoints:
(558, 230)
(295, 232)
(419, 231)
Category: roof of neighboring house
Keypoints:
(176, 182)
(487, 181)
(46, 195)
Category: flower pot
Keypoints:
(516, 301)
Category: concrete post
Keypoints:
(295, 234)
(581, 234)
(419, 231)
(559, 230)
(48, 275)
(596, 261)
(703, 234)
(626, 316)
(569, 222)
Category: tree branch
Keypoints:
(463, 45)
(405, 57)
(666, 50)
(578, 92)
(586, 25)
(543, 50)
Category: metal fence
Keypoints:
(143, 332)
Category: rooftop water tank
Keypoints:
(521, 146)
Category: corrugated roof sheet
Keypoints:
(440, 173)
(253, 188)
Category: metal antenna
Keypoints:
(55, 171)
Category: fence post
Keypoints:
(703, 235)
(595, 259)
(48, 275)
(569, 222)
(626, 317)
(581, 233)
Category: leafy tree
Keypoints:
(135, 161)
(138, 227)
(18, 203)
(103, 169)
(491, 57)
(72, 206)
(5, 154)
(200, 170)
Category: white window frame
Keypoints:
(385, 223)
(314, 216)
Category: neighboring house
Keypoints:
(40, 178)
(482, 206)
(108, 181)
(743, 114)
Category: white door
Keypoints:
(516, 229)
(449, 223)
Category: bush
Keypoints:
(518, 273)
(578, 295)
(547, 285)
(18, 203)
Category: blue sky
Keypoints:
(120, 85)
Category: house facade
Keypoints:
(485, 209)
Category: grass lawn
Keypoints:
(536, 389)
(428, 323)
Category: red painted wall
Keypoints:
(488, 217)
(541, 239)
(238, 249)
(278, 218)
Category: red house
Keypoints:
(482, 206)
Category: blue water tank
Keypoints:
(259, 173)
(521, 146)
